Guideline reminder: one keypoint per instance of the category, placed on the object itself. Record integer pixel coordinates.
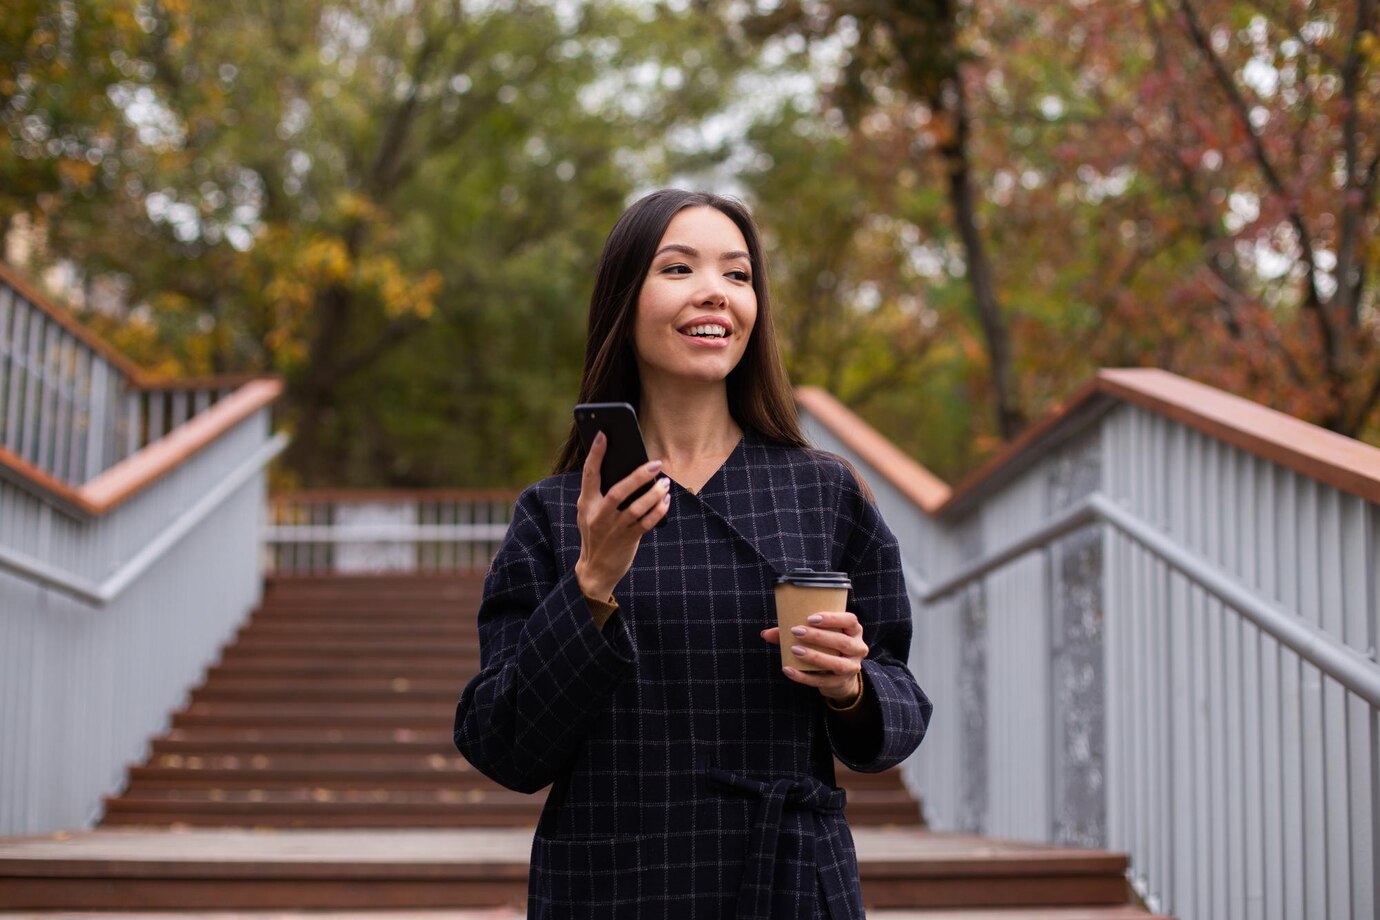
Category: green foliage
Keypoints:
(399, 205)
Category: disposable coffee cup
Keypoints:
(801, 593)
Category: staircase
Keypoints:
(333, 709)
(331, 714)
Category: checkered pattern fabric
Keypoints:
(690, 778)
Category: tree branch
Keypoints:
(1237, 103)
(1354, 197)
(392, 335)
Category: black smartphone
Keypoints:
(625, 450)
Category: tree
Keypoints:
(318, 184)
(911, 55)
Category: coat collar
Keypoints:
(756, 496)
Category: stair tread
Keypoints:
(246, 852)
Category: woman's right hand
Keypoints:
(609, 537)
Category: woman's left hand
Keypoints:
(833, 643)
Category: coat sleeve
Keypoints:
(896, 711)
(546, 667)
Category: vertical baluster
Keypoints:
(14, 414)
(8, 308)
(1331, 618)
(62, 424)
(180, 408)
(99, 392)
(134, 421)
(28, 440)
(81, 398)
(1361, 560)
(1314, 800)
(115, 386)
(158, 425)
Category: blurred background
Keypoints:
(970, 206)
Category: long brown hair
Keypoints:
(759, 395)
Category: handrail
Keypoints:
(1330, 458)
(922, 487)
(1352, 669)
(136, 472)
(99, 595)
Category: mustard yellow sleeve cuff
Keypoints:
(601, 610)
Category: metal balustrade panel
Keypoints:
(1240, 776)
(82, 689)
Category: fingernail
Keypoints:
(666, 499)
(790, 671)
(798, 630)
(599, 438)
(797, 650)
(664, 483)
(654, 466)
(815, 618)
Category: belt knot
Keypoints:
(754, 896)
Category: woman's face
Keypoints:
(697, 306)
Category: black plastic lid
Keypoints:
(809, 578)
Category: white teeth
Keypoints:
(707, 329)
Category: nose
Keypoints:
(713, 291)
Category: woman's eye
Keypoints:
(676, 270)
(740, 275)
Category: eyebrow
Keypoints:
(692, 251)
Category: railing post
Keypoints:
(99, 383)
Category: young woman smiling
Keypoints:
(634, 669)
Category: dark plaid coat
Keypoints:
(690, 778)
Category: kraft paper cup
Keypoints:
(799, 594)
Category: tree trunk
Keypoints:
(1010, 419)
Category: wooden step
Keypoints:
(239, 869)
(395, 646)
(309, 668)
(254, 688)
(361, 629)
(388, 714)
(332, 767)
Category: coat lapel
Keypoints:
(757, 496)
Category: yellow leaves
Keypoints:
(325, 260)
(303, 274)
(399, 293)
(79, 173)
(1368, 44)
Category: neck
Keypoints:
(687, 422)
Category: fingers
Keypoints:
(632, 482)
(589, 478)
(650, 508)
(830, 681)
(832, 641)
(772, 635)
(828, 661)
(838, 620)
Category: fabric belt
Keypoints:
(759, 871)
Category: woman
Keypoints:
(634, 668)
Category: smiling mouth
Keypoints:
(705, 331)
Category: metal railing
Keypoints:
(1148, 639)
(71, 408)
(381, 531)
(127, 558)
